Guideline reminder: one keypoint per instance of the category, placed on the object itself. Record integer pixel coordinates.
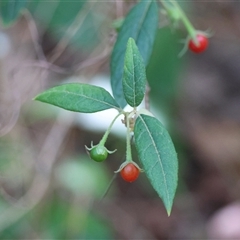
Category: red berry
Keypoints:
(201, 46)
(130, 172)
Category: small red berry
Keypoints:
(130, 172)
(201, 46)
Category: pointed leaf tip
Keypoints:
(158, 156)
(78, 97)
(134, 76)
(141, 24)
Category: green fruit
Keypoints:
(98, 153)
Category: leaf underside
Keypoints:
(141, 24)
(134, 77)
(79, 97)
(158, 157)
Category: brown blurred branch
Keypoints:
(70, 32)
(46, 66)
(147, 104)
(94, 60)
(43, 62)
(35, 36)
(119, 8)
(40, 184)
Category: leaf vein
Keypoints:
(159, 157)
(82, 95)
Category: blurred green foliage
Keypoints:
(10, 10)
(84, 177)
(164, 68)
(80, 21)
(66, 211)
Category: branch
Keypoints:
(40, 184)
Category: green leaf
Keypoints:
(141, 24)
(134, 77)
(165, 86)
(158, 157)
(62, 18)
(10, 10)
(79, 97)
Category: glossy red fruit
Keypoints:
(130, 172)
(201, 46)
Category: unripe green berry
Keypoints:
(98, 153)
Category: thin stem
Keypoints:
(108, 187)
(128, 148)
(191, 30)
(185, 20)
(105, 136)
(147, 105)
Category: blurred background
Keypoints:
(50, 189)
